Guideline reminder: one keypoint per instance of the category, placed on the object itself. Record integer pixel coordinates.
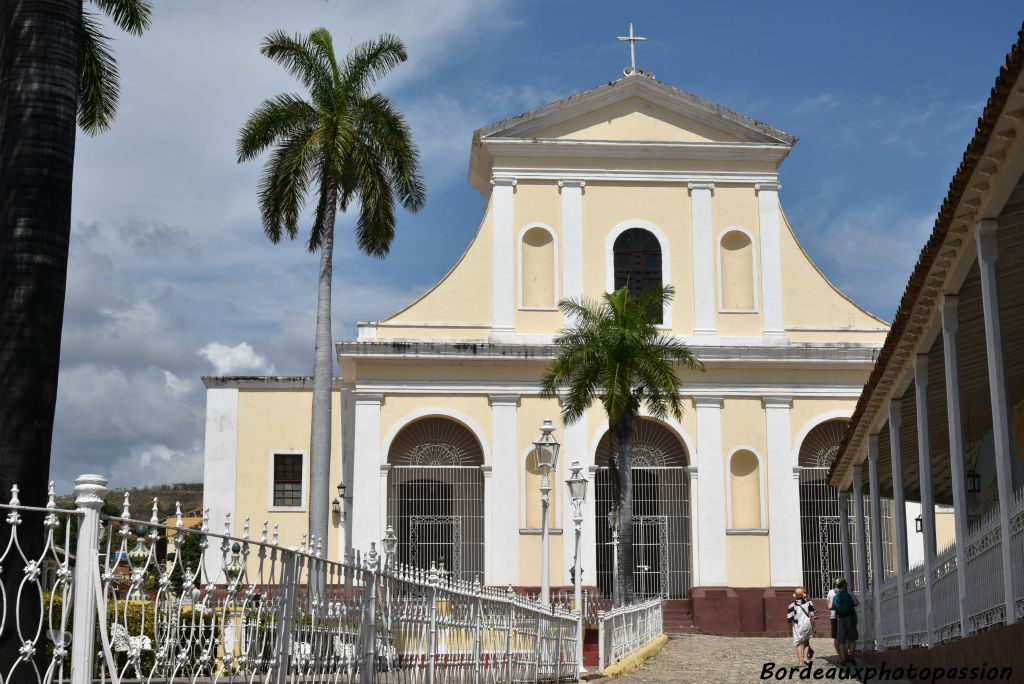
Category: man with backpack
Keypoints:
(842, 606)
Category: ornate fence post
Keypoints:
(600, 641)
(432, 578)
(89, 491)
(368, 666)
(478, 618)
(510, 596)
(286, 615)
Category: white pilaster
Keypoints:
(954, 413)
(988, 252)
(503, 534)
(771, 258)
(382, 499)
(220, 464)
(703, 259)
(367, 524)
(900, 506)
(861, 540)
(783, 489)
(844, 536)
(572, 242)
(693, 471)
(588, 538)
(574, 448)
(502, 249)
(713, 568)
(876, 536)
(488, 522)
(347, 432)
(924, 469)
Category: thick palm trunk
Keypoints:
(39, 73)
(623, 432)
(323, 371)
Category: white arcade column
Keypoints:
(713, 567)
(924, 469)
(900, 506)
(876, 536)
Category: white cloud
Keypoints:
(241, 359)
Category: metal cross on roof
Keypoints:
(632, 40)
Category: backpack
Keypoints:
(843, 602)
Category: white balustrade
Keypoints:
(946, 597)
(890, 634)
(625, 630)
(986, 607)
(914, 595)
(267, 613)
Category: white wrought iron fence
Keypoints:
(986, 605)
(866, 626)
(916, 608)
(1017, 550)
(119, 609)
(625, 630)
(946, 596)
(890, 627)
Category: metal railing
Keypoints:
(917, 615)
(625, 630)
(946, 596)
(889, 636)
(219, 607)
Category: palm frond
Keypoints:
(131, 16)
(375, 228)
(370, 61)
(276, 118)
(382, 124)
(100, 83)
(303, 60)
(284, 184)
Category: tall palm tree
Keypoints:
(55, 66)
(614, 353)
(345, 144)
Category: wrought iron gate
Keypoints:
(438, 515)
(661, 532)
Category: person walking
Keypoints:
(843, 605)
(800, 614)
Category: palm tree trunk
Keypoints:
(39, 74)
(623, 431)
(323, 372)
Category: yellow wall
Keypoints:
(747, 557)
(529, 560)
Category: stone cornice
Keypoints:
(268, 382)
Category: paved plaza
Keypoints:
(701, 659)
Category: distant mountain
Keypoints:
(140, 499)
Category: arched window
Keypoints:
(637, 263)
(736, 282)
(436, 496)
(661, 513)
(745, 491)
(537, 269)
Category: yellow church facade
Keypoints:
(436, 407)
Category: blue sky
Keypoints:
(171, 277)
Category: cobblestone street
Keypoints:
(699, 658)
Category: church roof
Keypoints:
(646, 87)
(733, 135)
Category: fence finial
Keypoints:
(245, 528)
(51, 496)
(371, 557)
(274, 542)
(178, 520)
(125, 513)
(264, 531)
(14, 496)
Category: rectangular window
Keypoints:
(287, 479)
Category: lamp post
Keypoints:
(545, 454)
(576, 483)
(613, 524)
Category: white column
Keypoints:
(924, 469)
(220, 464)
(844, 535)
(900, 506)
(861, 532)
(382, 498)
(365, 486)
(987, 255)
(347, 433)
(954, 413)
(488, 523)
(771, 259)
(783, 491)
(703, 259)
(503, 534)
(502, 270)
(693, 471)
(574, 447)
(588, 540)
(572, 240)
(713, 568)
(876, 535)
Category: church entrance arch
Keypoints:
(436, 496)
(820, 537)
(661, 513)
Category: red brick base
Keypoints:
(753, 611)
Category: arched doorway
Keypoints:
(436, 496)
(661, 513)
(820, 537)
